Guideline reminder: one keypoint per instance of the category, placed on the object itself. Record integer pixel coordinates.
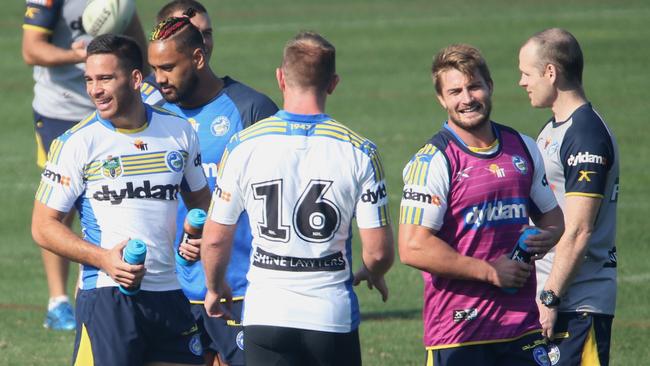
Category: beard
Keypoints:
(472, 126)
(184, 90)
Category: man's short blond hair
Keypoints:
(309, 61)
(462, 57)
(558, 47)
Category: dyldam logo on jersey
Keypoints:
(585, 157)
(411, 195)
(373, 197)
(510, 211)
(56, 177)
(116, 196)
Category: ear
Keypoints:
(198, 58)
(279, 76)
(441, 100)
(550, 72)
(333, 83)
(136, 79)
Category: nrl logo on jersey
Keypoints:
(112, 167)
(586, 157)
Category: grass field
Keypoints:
(384, 55)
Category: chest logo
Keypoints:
(498, 171)
(112, 167)
(174, 161)
(220, 126)
(140, 145)
(462, 174)
(520, 164)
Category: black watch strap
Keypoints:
(549, 298)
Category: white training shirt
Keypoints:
(125, 184)
(301, 179)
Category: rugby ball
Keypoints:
(107, 16)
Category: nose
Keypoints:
(160, 77)
(466, 96)
(95, 89)
(522, 81)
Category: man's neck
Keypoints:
(134, 119)
(482, 137)
(303, 102)
(566, 103)
(208, 86)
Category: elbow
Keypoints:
(407, 253)
(28, 58)
(38, 235)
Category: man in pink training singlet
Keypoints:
(468, 193)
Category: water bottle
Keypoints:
(192, 229)
(520, 253)
(134, 253)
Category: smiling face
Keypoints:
(110, 87)
(174, 69)
(467, 99)
(537, 80)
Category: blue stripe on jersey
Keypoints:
(418, 168)
(354, 301)
(92, 233)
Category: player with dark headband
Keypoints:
(217, 107)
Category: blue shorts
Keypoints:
(220, 336)
(581, 339)
(48, 129)
(527, 350)
(116, 329)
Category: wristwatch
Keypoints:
(549, 299)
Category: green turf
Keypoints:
(384, 55)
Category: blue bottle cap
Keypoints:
(196, 217)
(135, 251)
(528, 232)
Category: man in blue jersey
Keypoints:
(54, 42)
(123, 168)
(217, 108)
(577, 281)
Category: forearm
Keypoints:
(51, 234)
(430, 254)
(46, 54)
(378, 249)
(197, 199)
(569, 255)
(216, 245)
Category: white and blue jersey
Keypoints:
(236, 107)
(125, 184)
(301, 179)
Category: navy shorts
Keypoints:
(116, 329)
(527, 350)
(581, 339)
(280, 346)
(220, 336)
(48, 129)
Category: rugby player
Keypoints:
(54, 42)
(217, 108)
(123, 168)
(468, 192)
(577, 281)
(302, 177)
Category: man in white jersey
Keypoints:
(54, 42)
(301, 177)
(577, 282)
(123, 168)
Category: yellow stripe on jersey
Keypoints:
(384, 216)
(355, 137)
(484, 149)
(430, 357)
(581, 194)
(419, 166)
(164, 111)
(37, 28)
(411, 215)
(263, 131)
(222, 162)
(83, 123)
(269, 125)
(133, 130)
(41, 156)
(445, 346)
(146, 88)
(85, 351)
(590, 349)
(43, 192)
(57, 145)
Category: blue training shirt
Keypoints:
(236, 107)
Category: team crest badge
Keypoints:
(240, 340)
(553, 354)
(195, 345)
(220, 126)
(174, 161)
(540, 355)
(112, 167)
(520, 164)
(553, 148)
